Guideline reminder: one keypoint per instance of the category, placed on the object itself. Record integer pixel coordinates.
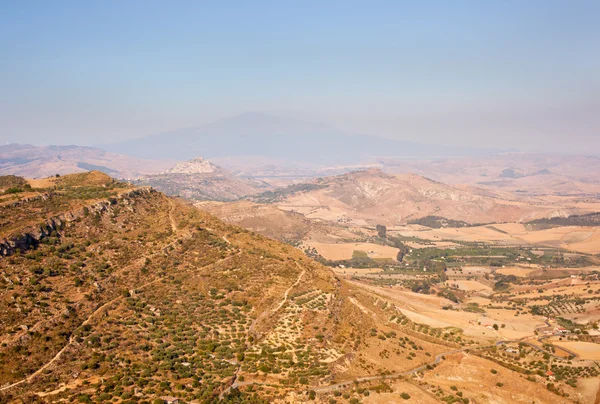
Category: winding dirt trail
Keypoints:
(171, 218)
(234, 382)
(288, 290)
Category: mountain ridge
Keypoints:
(43, 161)
(259, 134)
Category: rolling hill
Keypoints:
(373, 197)
(39, 162)
(113, 293)
(199, 179)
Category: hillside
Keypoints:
(130, 277)
(199, 179)
(276, 223)
(113, 293)
(39, 162)
(524, 173)
(372, 197)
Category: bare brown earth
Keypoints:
(344, 251)
(279, 224)
(372, 197)
(472, 375)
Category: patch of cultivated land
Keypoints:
(519, 271)
(569, 286)
(576, 238)
(584, 350)
(514, 326)
(344, 251)
(472, 376)
(469, 286)
(469, 270)
(588, 390)
(465, 234)
(358, 271)
(428, 309)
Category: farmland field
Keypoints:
(345, 251)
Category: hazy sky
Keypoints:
(522, 73)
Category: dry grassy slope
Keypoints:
(53, 197)
(375, 197)
(157, 293)
(275, 223)
(152, 297)
(218, 185)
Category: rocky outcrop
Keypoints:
(195, 166)
(32, 236)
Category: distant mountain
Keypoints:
(38, 162)
(199, 179)
(258, 134)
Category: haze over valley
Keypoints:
(300, 203)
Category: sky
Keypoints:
(521, 74)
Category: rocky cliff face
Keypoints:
(33, 236)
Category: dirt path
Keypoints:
(171, 218)
(234, 382)
(287, 292)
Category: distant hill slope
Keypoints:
(119, 294)
(590, 219)
(258, 134)
(528, 173)
(275, 223)
(373, 197)
(198, 179)
(39, 162)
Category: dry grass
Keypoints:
(344, 251)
